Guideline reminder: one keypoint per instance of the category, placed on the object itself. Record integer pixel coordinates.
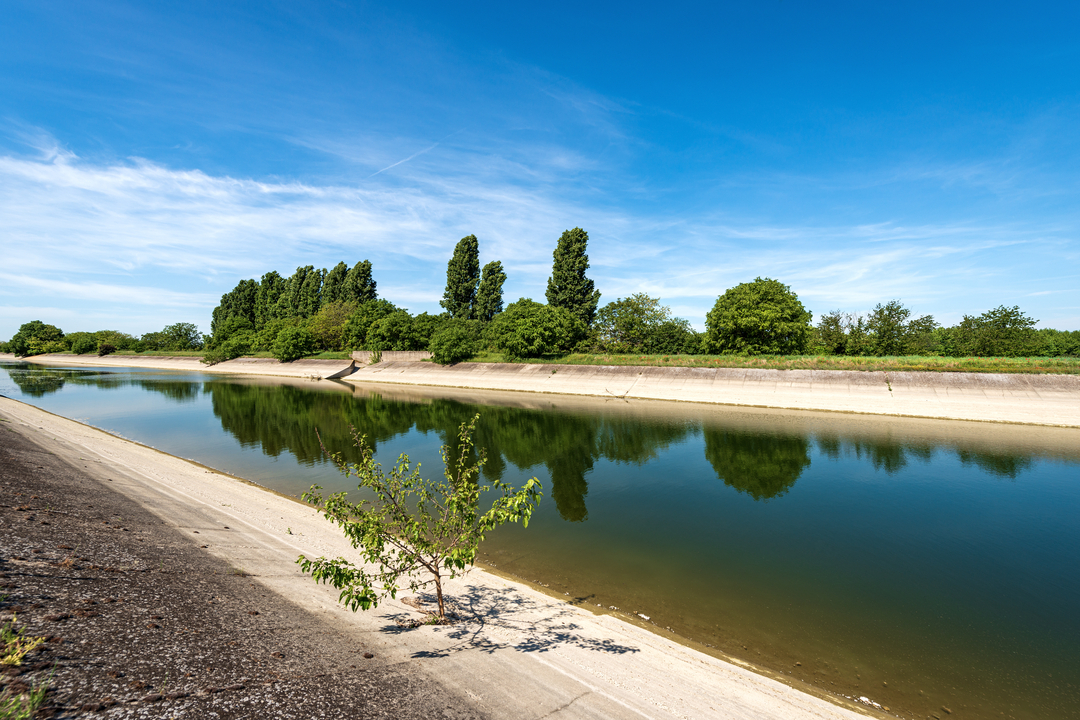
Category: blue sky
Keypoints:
(153, 154)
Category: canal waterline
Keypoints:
(922, 564)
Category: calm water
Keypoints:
(923, 564)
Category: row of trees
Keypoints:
(37, 338)
(765, 317)
(317, 310)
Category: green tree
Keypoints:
(763, 317)
(396, 331)
(181, 336)
(271, 288)
(462, 277)
(36, 338)
(1003, 331)
(888, 327)
(830, 335)
(413, 526)
(489, 298)
(453, 343)
(310, 298)
(240, 301)
(626, 325)
(293, 343)
(359, 323)
(359, 285)
(334, 284)
(327, 327)
(568, 287)
(528, 329)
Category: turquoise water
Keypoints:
(923, 564)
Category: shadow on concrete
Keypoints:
(488, 619)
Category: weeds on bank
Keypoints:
(24, 705)
(16, 645)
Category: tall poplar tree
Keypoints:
(334, 286)
(568, 287)
(462, 277)
(359, 286)
(271, 287)
(311, 293)
(489, 300)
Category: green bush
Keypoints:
(763, 317)
(82, 342)
(234, 347)
(528, 329)
(105, 349)
(293, 343)
(34, 337)
(453, 344)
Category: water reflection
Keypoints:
(37, 381)
(280, 419)
(762, 464)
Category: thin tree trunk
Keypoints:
(438, 593)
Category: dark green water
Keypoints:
(923, 564)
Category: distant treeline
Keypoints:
(316, 310)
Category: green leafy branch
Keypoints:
(415, 532)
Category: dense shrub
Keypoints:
(528, 329)
(106, 349)
(763, 317)
(454, 343)
(327, 327)
(293, 343)
(360, 321)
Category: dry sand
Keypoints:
(526, 654)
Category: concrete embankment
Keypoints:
(323, 369)
(520, 653)
(990, 397)
(1011, 398)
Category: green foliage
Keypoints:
(528, 329)
(414, 528)
(763, 317)
(327, 327)
(293, 343)
(455, 342)
(359, 286)
(268, 334)
(240, 301)
(106, 349)
(179, 336)
(360, 321)
(462, 276)
(36, 338)
(640, 324)
(568, 287)
(489, 298)
(1003, 331)
(396, 331)
(334, 285)
(310, 295)
(267, 307)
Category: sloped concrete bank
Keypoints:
(518, 654)
(312, 369)
(1011, 398)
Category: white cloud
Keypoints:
(140, 234)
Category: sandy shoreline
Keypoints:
(543, 649)
(1048, 400)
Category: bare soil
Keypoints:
(141, 623)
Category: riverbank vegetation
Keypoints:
(762, 323)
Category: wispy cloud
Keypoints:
(141, 233)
